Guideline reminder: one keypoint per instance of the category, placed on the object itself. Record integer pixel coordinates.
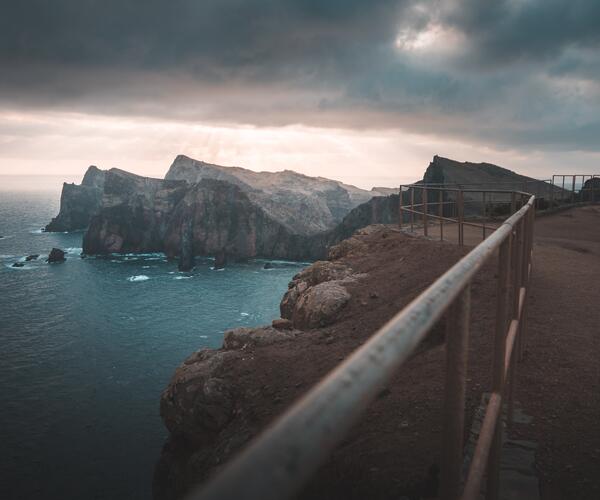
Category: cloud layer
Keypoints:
(512, 74)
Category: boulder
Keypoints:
(282, 324)
(56, 255)
(18, 264)
(240, 338)
(198, 403)
(268, 265)
(320, 305)
(29, 258)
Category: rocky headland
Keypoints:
(203, 209)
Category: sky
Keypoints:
(361, 91)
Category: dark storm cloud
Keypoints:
(519, 73)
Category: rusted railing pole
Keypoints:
(412, 208)
(425, 220)
(502, 320)
(484, 213)
(516, 263)
(400, 214)
(552, 193)
(573, 191)
(461, 215)
(441, 213)
(457, 341)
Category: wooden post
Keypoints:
(502, 310)
(400, 207)
(425, 221)
(457, 341)
(441, 213)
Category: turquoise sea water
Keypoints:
(87, 347)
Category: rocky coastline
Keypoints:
(218, 399)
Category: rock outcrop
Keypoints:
(56, 255)
(78, 204)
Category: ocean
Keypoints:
(88, 345)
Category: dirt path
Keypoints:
(559, 378)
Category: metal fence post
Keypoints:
(457, 341)
(573, 191)
(461, 208)
(484, 213)
(502, 320)
(412, 208)
(441, 213)
(400, 207)
(513, 203)
(425, 221)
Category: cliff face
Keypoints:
(134, 216)
(304, 205)
(79, 203)
(183, 220)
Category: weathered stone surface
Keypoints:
(197, 402)
(320, 305)
(56, 255)
(282, 324)
(78, 204)
(303, 205)
(240, 338)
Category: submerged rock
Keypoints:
(268, 265)
(18, 264)
(29, 258)
(56, 255)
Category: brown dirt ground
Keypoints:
(559, 378)
(388, 453)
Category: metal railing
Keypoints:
(280, 460)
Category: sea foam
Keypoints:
(141, 277)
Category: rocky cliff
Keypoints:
(304, 205)
(79, 203)
(183, 220)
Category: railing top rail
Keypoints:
(280, 460)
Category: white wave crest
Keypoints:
(141, 277)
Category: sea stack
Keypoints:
(56, 255)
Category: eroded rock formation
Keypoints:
(78, 204)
